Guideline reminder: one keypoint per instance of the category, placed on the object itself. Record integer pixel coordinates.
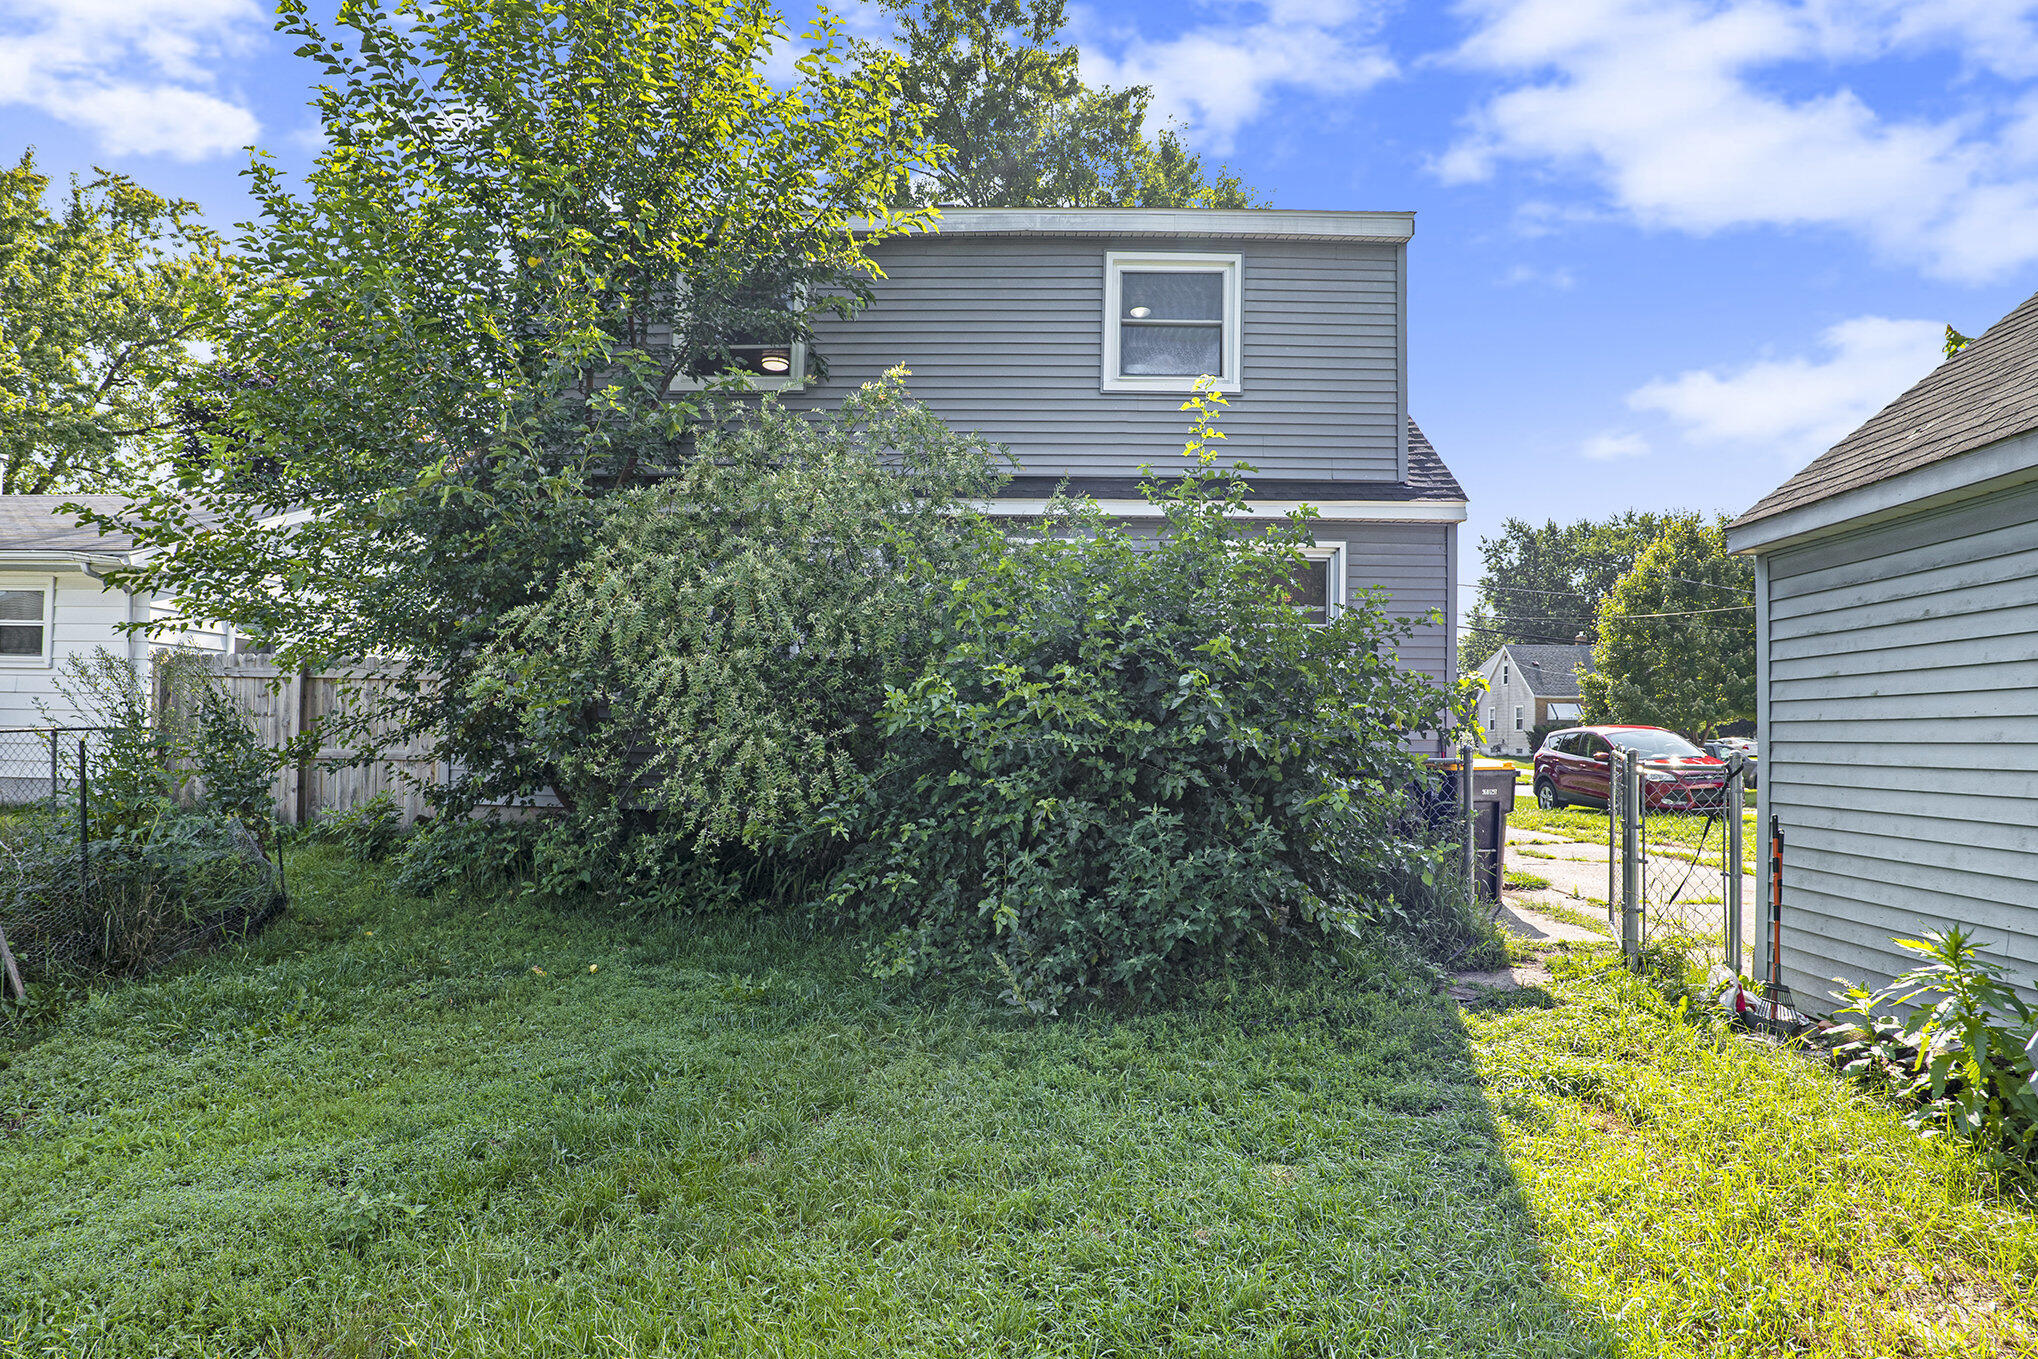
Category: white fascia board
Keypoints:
(1275, 223)
(1331, 511)
(85, 563)
(1994, 467)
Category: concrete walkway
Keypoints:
(1576, 871)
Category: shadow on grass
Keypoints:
(490, 1128)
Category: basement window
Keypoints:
(1169, 319)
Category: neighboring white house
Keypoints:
(1527, 686)
(1896, 601)
(55, 603)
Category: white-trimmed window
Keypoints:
(1170, 318)
(1489, 717)
(1503, 672)
(754, 362)
(1517, 718)
(1318, 587)
(25, 610)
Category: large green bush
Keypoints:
(704, 680)
(1131, 754)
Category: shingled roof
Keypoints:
(1985, 393)
(1428, 480)
(1550, 671)
(32, 523)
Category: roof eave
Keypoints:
(1388, 228)
(1993, 467)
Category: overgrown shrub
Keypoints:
(1952, 1039)
(136, 895)
(369, 831)
(705, 678)
(1132, 754)
(468, 853)
(177, 810)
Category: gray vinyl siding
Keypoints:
(1004, 336)
(1411, 564)
(1901, 740)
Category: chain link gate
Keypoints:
(1675, 878)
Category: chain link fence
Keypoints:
(80, 891)
(1676, 874)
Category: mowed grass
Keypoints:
(391, 1127)
(1665, 828)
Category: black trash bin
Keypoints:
(1492, 800)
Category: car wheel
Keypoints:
(1546, 796)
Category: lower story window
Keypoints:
(1317, 587)
(1517, 719)
(24, 624)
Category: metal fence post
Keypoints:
(54, 785)
(1630, 774)
(1730, 866)
(1470, 825)
(84, 833)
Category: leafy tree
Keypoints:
(1544, 584)
(531, 224)
(705, 679)
(1022, 130)
(109, 311)
(1676, 641)
(1130, 755)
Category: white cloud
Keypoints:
(1667, 104)
(1800, 406)
(1559, 278)
(1215, 79)
(140, 75)
(1613, 445)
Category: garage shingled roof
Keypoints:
(1982, 395)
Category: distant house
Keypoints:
(1896, 587)
(1527, 686)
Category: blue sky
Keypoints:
(1666, 251)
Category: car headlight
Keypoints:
(1654, 777)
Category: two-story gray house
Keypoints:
(1527, 686)
(1072, 337)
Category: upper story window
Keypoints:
(752, 352)
(24, 624)
(1503, 672)
(1170, 318)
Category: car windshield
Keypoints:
(1653, 743)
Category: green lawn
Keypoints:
(1589, 823)
(394, 1127)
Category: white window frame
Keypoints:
(796, 372)
(1503, 672)
(1333, 552)
(48, 586)
(1517, 718)
(1489, 717)
(1118, 262)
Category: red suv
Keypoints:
(1574, 765)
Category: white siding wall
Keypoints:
(1901, 740)
(86, 616)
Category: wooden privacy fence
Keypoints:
(284, 704)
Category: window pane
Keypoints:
(21, 606)
(1309, 590)
(1171, 351)
(17, 639)
(1171, 297)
